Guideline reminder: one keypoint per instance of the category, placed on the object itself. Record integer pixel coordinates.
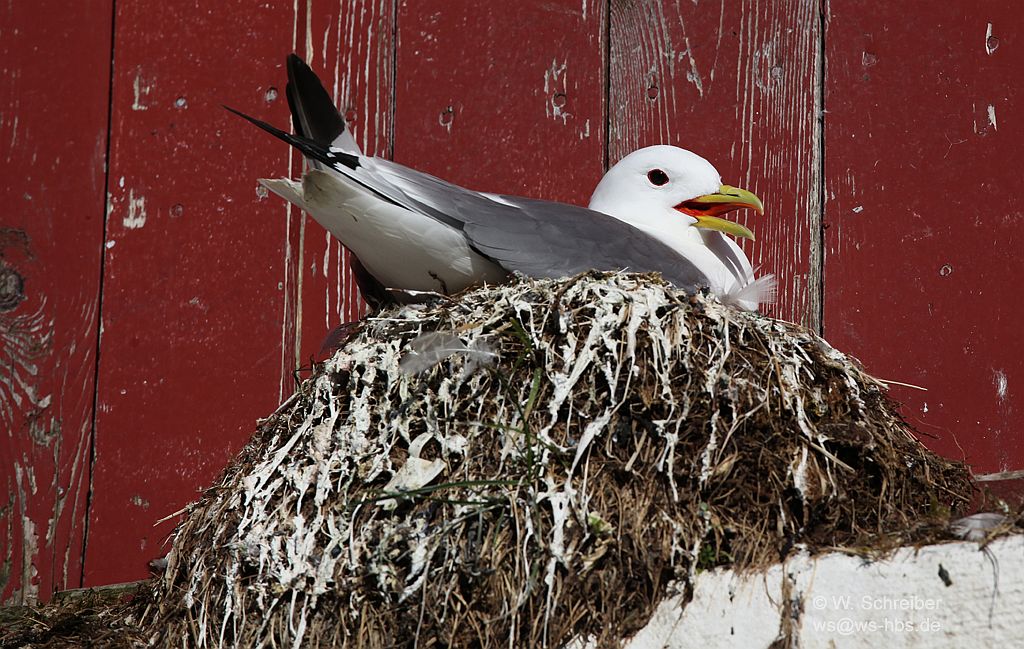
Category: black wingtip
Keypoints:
(314, 114)
(273, 130)
(299, 142)
(309, 147)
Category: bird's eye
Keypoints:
(657, 177)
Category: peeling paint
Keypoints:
(29, 540)
(991, 42)
(141, 90)
(29, 551)
(24, 339)
(136, 217)
(446, 118)
(555, 90)
(999, 378)
(692, 75)
(992, 117)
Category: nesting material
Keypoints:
(104, 617)
(538, 463)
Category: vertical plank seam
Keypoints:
(105, 207)
(292, 300)
(393, 99)
(818, 243)
(607, 71)
(308, 56)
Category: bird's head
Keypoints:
(663, 187)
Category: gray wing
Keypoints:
(540, 238)
(534, 237)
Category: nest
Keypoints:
(540, 463)
(106, 617)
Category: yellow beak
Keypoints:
(728, 198)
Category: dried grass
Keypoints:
(107, 617)
(627, 437)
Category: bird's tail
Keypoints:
(287, 189)
(314, 115)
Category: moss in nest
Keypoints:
(540, 462)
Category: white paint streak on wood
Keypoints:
(343, 295)
(693, 75)
(585, 132)
(136, 216)
(992, 117)
(71, 446)
(30, 551)
(335, 85)
(323, 49)
(367, 80)
(299, 281)
(556, 81)
(25, 338)
(327, 285)
(780, 137)
(309, 32)
(299, 311)
(29, 592)
(643, 104)
(999, 378)
(141, 90)
(288, 303)
(816, 200)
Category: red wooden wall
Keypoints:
(54, 92)
(166, 303)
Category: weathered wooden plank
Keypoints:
(349, 43)
(924, 155)
(54, 83)
(736, 82)
(52, 148)
(194, 275)
(508, 99)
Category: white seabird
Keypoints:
(676, 196)
(656, 210)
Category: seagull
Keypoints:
(677, 196)
(657, 210)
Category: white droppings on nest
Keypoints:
(395, 421)
(800, 473)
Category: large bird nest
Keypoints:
(537, 462)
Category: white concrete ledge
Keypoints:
(949, 595)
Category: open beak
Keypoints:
(706, 209)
